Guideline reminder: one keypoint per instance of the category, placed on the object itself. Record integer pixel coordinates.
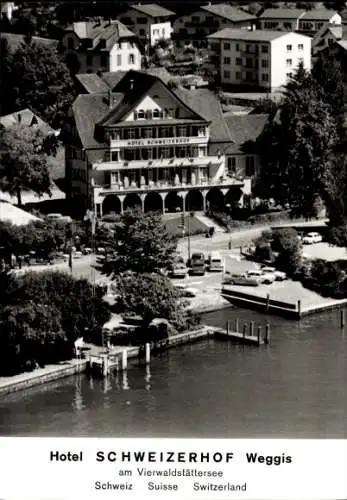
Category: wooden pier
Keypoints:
(109, 361)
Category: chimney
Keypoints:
(19, 118)
(131, 84)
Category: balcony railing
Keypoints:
(203, 161)
(116, 188)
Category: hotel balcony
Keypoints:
(167, 185)
(203, 161)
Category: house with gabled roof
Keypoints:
(151, 22)
(325, 37)
(194, 27)
(90, 46)
(313, 20)
(146, 144)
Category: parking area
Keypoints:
(324, 251)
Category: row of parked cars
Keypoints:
(264, 276)
(197, 265)
(311, 238)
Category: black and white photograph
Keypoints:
(173, 219)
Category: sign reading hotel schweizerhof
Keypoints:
(158, 142)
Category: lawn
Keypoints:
(196, 226)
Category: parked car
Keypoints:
(264, 278)
(312, 238)
(77, 255)
(279, 275)
(197, 264)
(240, 279)
(215, 262)
(87, 251)
(179, 271)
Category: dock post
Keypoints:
(299, 308)
(251, 332)
(342, 318)
(259, 334)
(267, 302)
(237, 325)
(105, 366)
(244, 330)
(267, 333)
(124, 359)
(148, 353)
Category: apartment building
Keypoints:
(306, 22)
(149, 146)
(193, 28)
(260, 59)
(151, 22)
(100, 46)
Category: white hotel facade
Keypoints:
(145, 145)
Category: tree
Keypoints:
(328, 74)
(288, 246)
(145, 246)
(35, 77)
(150, 296)
(298, 148)
(23, 161)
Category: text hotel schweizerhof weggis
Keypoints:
(182, 469)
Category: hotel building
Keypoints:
(260, 59)
(147, 145)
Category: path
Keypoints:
(209, 222)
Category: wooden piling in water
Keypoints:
(148, 353)
(251, 329)
(124, 359)
(267, 302)
(267, 333)
(259, 333)
(342, 318)
(244, 329)
(299, 308)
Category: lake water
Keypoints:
(295, 387)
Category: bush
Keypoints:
(326, 278)
(337, 235)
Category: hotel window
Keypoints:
(238, 75)
(119, 60)
(114, 155)
(148, 133)
(264, 63)
(171, 113)
(181, 131)
(141, 114)
(165, 152)
(238, 61)
(265, 77)
(301, 46)
(264, 49)
(148, 114)
(227, 60)
(289, 62)
(287, 26)
(237, 47)
(146, 154)
(132, 133)
(156, 113)
(227, 75)
(131, 59)
(249, 166)
(226, 46)
(289, 48)
(202, 131)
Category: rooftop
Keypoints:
(153, 10)
(24, 117)
(107, 31)
(282, 13)
(227, 12)
(318, 15)
(15, 40)
(92, 109)
(14, 214)
(255, 36)
(245, 128)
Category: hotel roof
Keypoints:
(318, 15)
